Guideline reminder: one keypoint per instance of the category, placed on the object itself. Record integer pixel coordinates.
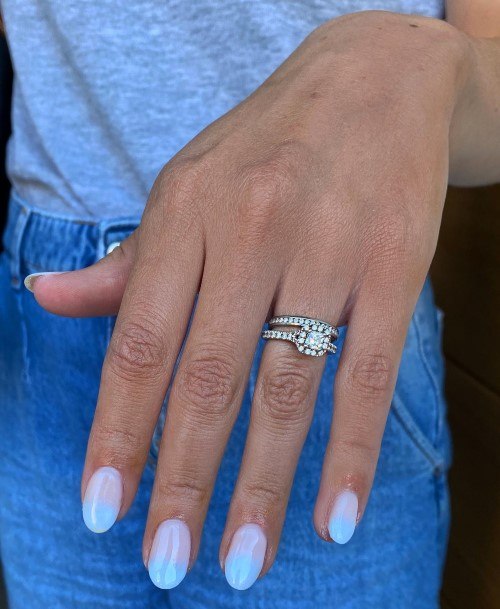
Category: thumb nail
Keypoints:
(29, 281)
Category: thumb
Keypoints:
(90, 292)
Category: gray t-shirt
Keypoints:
(107, 91)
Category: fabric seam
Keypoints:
(415, 434)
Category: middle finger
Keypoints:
(203, 405)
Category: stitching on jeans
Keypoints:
(425, 445)
(416, 435)
(433, 379)
(34, 266)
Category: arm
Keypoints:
(479, 19)
(475, 128)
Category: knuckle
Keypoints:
(262, 494)
(208, 385)
(286, 160)
(270, 183)
(176, 173)
(259, 204)
(389, 240)
(136, 348)
(371, 375)
(358, 449)
(180, 181)
(394, 228)
(286, 393)
(117, 445)
(183, 489)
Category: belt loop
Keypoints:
(17, 240)
(101, 243)
(103, 238)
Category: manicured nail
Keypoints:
(343, 517)
(29, 281)
(246, 556)
(103, 499)
(169, 558)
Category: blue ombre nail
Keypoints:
(103, 498)
(169, 557)
(246, 556)
(344, 517)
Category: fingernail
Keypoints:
(246, 556)
(103, 499)
(29, 281)
(169, 558)
(343, 517)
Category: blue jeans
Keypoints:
(49, 378)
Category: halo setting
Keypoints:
(313, 336)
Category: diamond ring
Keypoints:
(313, 336)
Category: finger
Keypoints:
(203, 405)
(364, 386)
(282, 408)
(146, 341)
(90, 292)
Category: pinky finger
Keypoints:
(363, 391)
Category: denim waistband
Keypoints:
(48, 242)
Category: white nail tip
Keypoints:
(343, 517)
(29, 279)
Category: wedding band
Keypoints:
(313, 336)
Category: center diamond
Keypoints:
(314, 340)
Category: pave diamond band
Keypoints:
(313, 336)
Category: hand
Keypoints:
(321, 194)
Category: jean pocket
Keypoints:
(431, 453)
(419, 405)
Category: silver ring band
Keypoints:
(313, 336)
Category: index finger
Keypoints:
(144, 346)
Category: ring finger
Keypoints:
(282, 409)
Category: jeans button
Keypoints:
(112, 246)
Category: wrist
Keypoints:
(416, 57)
(475, 125)
(426, 66)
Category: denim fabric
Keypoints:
(49, 378)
